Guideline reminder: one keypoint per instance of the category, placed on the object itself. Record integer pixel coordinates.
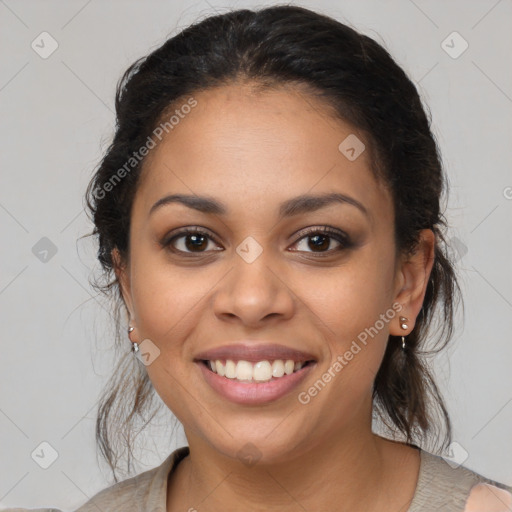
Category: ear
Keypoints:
(121, 270)
(412, 278)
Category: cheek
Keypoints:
(351, 297)
(165, 299)
(354, 306)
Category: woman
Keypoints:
(269, 211)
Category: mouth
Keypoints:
(253, 384)
(261, 371)
(253, 374)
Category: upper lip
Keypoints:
(254, 353)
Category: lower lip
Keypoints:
(254, 393)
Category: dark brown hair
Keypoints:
(357, 79)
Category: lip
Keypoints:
(254, 353)
(250, 393)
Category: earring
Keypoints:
(135, 345)
(404, 326)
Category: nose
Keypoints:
(254, 294)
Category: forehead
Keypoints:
(255, 149)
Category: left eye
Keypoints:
(320, 240)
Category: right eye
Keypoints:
(189, 241)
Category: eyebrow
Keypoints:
(301, 204)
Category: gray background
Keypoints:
(57, 119)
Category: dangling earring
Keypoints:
(135, 346)
(404, 326)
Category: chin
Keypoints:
(262, 446)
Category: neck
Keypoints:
(347, 470)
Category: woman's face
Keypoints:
(258, 278)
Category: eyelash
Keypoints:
(337, 235)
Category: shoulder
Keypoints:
(30, 510)
(490, 498)
(444, 485)
(144, 492)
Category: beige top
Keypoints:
(440, 487)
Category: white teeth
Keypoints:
(278, 368)
(230, 369)
(219, 368)
(262, 371)
(244, 370)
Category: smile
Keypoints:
(261, 371)
(263, 389)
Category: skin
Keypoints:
(489, 498)
(251, 151)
